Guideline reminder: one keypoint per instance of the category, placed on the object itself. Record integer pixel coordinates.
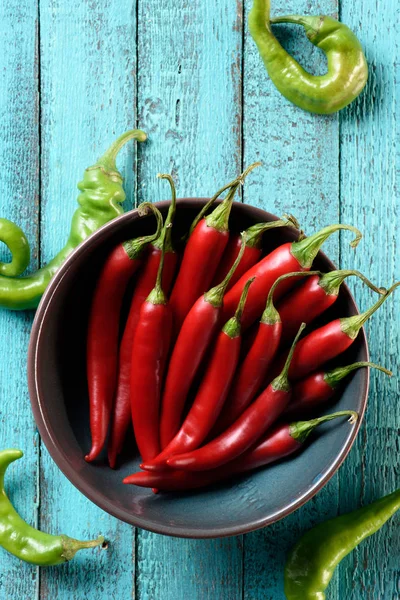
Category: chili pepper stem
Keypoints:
(232, 327)
(72, 546)
(228, 186)
(108, 160)
(311, 24)
(331, 282)
(270, 315)
(135, 247)
(282, 381)
(255, 232)
(306, 250)
(334, 377)
(352, 325)
(157, 295)
(300, 430)
(167, 231)
(216, 294)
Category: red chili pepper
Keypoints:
(212, 392)
(285, 439)
(197, 332)
(290, 257)
(327, 342)
(256, 362)
(253, 250)
(151, 345)
(203, 251)
(122, 414)
(315, 391)
(313, 298)
(246, 430)
(102, 338)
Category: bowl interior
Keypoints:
(60, 402)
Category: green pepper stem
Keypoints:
(216, 294)
(167, 231)
(335, 376)
(255, 232)
(270, 315)
(232, 327)
(331, 282)
(306, 250)
(235, 183)
(300, 430)
(72, 546)
(352, 325)
(281, 383)
(108, 160)
(157, 295)
(135, 247)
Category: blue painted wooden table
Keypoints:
(73, 75)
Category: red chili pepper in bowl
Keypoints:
(315, 391)
(196, 334)
(203, 252)
(327, 342)
(102, 337)
(246, 430)
(288, 258)
(253, 251)
(312, 298)
(122, 414)
(257, 360)
(280, 442)
(151, 344)
(212, 392)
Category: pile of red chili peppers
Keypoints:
(211, 366)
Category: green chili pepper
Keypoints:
(312, 561)
(25, 542)
(347, 67)
(100, 199)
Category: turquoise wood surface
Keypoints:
(72, 76)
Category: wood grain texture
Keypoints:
(370, 184)
(87, 99)
(19, 187)
(300, 154)
(189, 92)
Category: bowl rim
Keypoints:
(79, 481)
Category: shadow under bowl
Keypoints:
(58, 391)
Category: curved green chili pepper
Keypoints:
(347, 67)
(313, 560)
(99, 200)
(25, 542)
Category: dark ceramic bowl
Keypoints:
(58, 391)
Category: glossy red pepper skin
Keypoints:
(250, 257)
(200, 260)
(304, 304)
(277, 444)
(197, 332)
(239, 437)
(102, 342)
(266, 272)
(149, 355)
(122, 415)
(308, 394)
(208, 401)
(251, 374)
(317, 348)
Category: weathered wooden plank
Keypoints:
(19, 185)
(88, 98)
(300, 175)
(370, 183)
(189, 92)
